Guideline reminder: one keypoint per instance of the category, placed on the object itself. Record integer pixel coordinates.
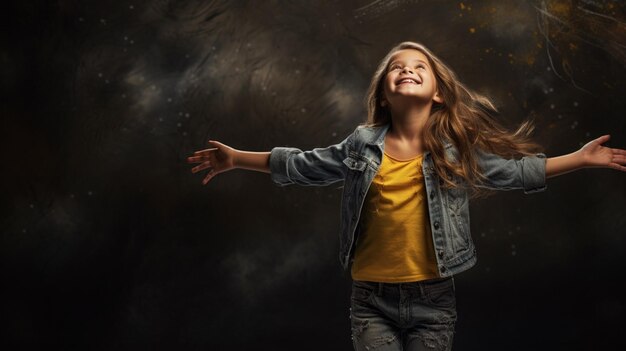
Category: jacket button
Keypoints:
(432, 195)
(436, 224)
(440, 253)
(443, 269)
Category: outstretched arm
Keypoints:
(591, 155)
(222, 158)
(286, 165)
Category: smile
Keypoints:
(407, 81)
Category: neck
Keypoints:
(407, 122)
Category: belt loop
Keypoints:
(421, 285)
(379, 292)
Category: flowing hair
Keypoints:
(464, 118)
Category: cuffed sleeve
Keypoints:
(534, 173)
(278, 164)
(320, 166)
(527, 173)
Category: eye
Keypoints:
(421, 66)
(394, 67)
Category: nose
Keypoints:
(407, 69)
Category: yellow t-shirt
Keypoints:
(395, 244)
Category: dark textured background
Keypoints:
(110, 243)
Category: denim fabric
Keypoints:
(403, 316)
(356, 160)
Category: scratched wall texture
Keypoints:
(110, 243)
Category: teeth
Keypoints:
(408, 80)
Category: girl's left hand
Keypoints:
(596, 155)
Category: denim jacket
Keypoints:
(356, 160)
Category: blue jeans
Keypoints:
(403, 316)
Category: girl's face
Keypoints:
(409, 77)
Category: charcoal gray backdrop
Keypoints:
(110, 243)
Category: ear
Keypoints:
(437, 98)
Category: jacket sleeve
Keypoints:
(319, 167)
(527, 173)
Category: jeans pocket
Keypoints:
(362, 291)
(441, 293)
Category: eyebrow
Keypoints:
(419, 60)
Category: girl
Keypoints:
(429, 143)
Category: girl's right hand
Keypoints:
(219, 159)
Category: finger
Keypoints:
(205, 151)
(603, 139)
(208, 177)
(198, 159)
(617, 167)
(618, 151)
(201, 167)
(619, 159)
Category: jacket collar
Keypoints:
(376, 136)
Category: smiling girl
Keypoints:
(428, 145)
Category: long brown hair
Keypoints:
(465, 119)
